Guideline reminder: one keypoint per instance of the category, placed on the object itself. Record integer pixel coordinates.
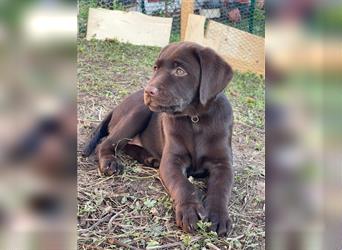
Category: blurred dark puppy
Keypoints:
(182, 123)
(49, 146)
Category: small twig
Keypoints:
(141, 177)
(89, 120)
(212, 246)
(103, 179)
(236, 238)
(121, 244)
(100, 114)
(175, 244)
(128, 226)
(136, 217)
(231, 239)
(109, 226)
(104, 218)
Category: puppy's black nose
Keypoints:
(150, 90)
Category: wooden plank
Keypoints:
(187, 8)
(131, 27)
(195, 29)
(246, 51)
(243, 51)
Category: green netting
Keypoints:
(247, 15)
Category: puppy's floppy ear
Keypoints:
(215, 74)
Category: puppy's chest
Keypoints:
(195, 139)
(199, 136)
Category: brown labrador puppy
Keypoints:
(182, 123)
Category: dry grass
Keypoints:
(133, 211)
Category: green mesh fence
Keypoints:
(247, 15)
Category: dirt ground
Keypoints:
(133, 211)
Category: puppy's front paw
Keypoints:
(220, 221)
(110, 166)
(188, 214)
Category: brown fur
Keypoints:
(161, 121)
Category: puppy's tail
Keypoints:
(100, 132)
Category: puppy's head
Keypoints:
(184, 73)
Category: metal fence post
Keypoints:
(251, 16)
(142, 6)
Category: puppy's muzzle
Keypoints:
(151, 91)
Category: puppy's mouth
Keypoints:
(166, 109)
(156, 106)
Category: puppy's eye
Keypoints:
(155, 67)
(180, 72)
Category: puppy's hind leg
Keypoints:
(128, 119)
(141, 155)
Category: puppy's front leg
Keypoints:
(219, 189)
(188, 207)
